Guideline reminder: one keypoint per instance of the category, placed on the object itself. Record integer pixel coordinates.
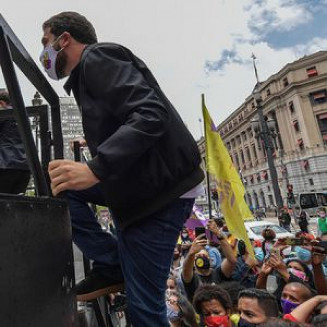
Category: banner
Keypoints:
(229, 185)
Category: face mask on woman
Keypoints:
(303, 254)
(288, 306)
(172, 314)
(298, 273)
(217, 321)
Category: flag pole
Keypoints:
(207, 173)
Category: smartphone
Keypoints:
(294, 241)
(199, 231)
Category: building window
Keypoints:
(258, 178)
(285, 81)
(300, 144)
(251, 179)
(291, 107)
(244, 136)
(253, 106)
(268, 92)
(238, 140)
(312, 71)
(318, 97)
(254, 152)
(296, 125)
(242, 158)
(248, 154)
(264, 175)
(233, 143)
(305, 164)
(322, 122)
(311, 181)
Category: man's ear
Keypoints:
(66, 39)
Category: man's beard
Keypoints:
(61, 63)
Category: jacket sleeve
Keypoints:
(111, 78)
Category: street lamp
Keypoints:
(265, 129)
(37, 101)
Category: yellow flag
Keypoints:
(229, 185)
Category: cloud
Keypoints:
(227, 57)
(281, 15)
(191, 46)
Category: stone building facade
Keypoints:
(71, 124)
(296, 99)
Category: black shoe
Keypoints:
(95, 285)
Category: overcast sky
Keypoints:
(192, 46)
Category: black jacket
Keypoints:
(12, 153)
(142, 152)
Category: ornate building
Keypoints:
(71, 124)
(296, 99)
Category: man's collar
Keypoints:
(73, 79)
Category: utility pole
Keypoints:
(266, 136)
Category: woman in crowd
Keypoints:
(292, 271)
(180, 312)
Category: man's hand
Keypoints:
(70, 175)
(212, 226)
(266, 269)
(80, 140)
(198, 244)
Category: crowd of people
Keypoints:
(216, 282)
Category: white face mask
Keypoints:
(48, 59)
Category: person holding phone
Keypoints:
(197, 268)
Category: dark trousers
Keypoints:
(14, 181)
(142, 253)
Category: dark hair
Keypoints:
(233, 288)
(4, 96)
(266, 301)
(211, 292)
(73, 23)
(268, 234)
(188, 314)
(319, 307)
(275, 322)
(219, 222)
(319, 321)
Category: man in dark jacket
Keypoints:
(145, 166)
(14, 170)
